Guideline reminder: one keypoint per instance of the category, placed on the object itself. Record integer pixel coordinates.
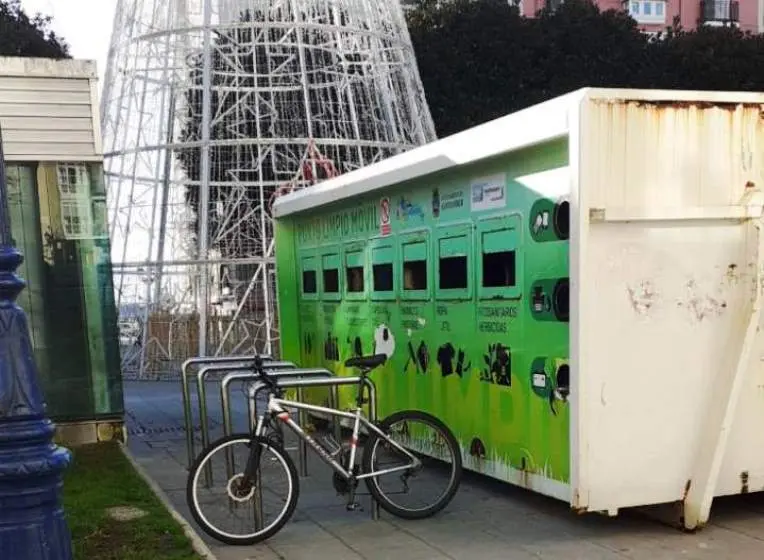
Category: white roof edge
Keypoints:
(527, 127)
(30, 67)
(534, 125)
(679, 95)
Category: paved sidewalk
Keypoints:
(486, 520)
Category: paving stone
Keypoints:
(487, 520)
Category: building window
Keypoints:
(73, 180)
(517, 4)
(648, 11)
(720, 12)
(75, 203)
(75, 216)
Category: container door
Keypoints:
(500, 271)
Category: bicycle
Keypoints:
(267, 438)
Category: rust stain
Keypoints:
(580, 510)
(703, 306)
(643, 297)
(524, 470)
(686, 489)
(744, 482)
(732, 273)
(702, 105)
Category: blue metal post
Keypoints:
(32, 524)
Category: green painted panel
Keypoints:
(415, 251)
(499, 240)
(384, 254)
(488, 362)
(355, 258)
(456, 246)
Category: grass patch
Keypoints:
(102, 478)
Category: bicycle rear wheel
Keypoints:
(430, 440)
(261, 509)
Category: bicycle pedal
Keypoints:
(355, 506)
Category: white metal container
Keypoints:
(666, 266)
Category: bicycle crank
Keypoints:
(342, 485)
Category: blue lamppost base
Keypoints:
(32, 523)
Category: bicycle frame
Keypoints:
(277, 408)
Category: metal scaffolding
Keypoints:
(210, 109)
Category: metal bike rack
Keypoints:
(184, 373)
(332, 382)
(201, 393)
(251, 376)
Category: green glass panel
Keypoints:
(62, 231)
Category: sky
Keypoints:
(84, 24)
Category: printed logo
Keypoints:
(407, 210)
(384, 217)
(489, 193)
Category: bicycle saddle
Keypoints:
(366, 362)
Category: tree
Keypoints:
(21, 35)
(479, 59)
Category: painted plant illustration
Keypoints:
(445, 358)
(356, 346)
(419, 357)
(331, 348)
(307, 342)
(498, 365)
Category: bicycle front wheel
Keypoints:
(413, 493)
(235, 511)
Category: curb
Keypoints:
(197, 543)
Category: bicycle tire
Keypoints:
(196, 472)
(373, 484)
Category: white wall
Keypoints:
(49, 110)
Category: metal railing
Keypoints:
(185, 370)
(287, 376)
(201, 389)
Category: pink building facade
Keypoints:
(655, 15)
